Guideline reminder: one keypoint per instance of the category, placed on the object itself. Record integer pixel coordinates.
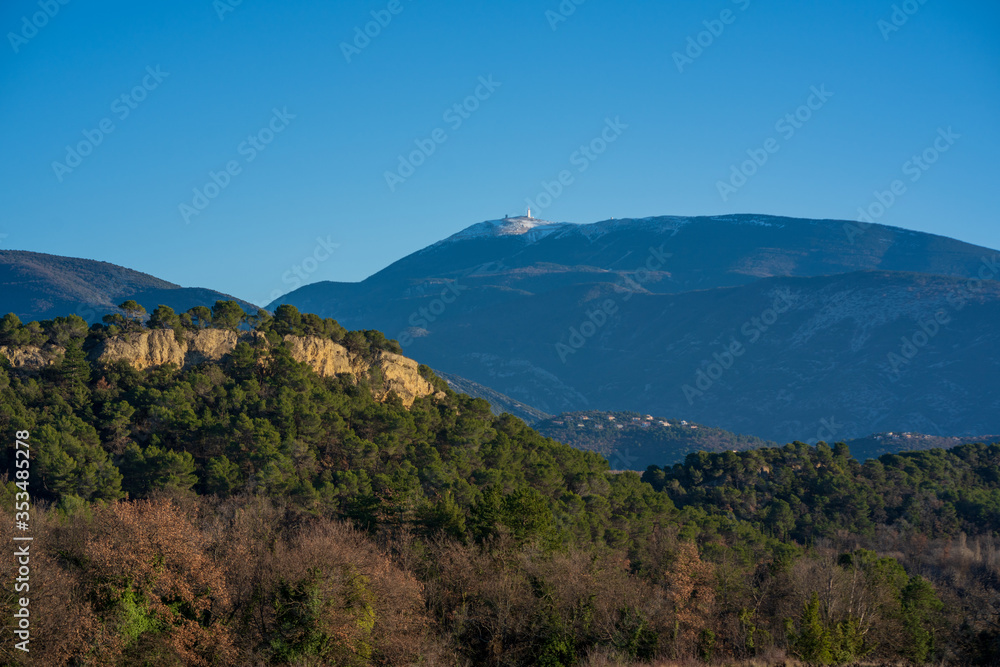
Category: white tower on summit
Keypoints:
(529, 214)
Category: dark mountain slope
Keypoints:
(703, 253)
(499, 403)
(36, 286)
(516, 306)
(826, 358)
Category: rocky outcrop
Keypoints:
(324, 356)
(393, 373)
(211, 344)
(389, 373)
(143, 350)
(401, 375)
(31, 358)
(148, 349)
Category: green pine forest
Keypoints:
(250, 512)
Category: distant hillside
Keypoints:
(640, 315)
(876, 445)
(499, 403)
(634, 441)
(36, 286)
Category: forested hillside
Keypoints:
(248, 511)
(633, 441)
(804, 492)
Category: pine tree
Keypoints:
(812, 642)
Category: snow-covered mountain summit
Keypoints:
(531, 228)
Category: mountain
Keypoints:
(633, 441)
(36, 286)
(787, 329)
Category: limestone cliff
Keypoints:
(31, 358)
(400, 375)
(324, 356)
(395, 372)
(143, 350)
(148, 349)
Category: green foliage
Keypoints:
(164, 317)
(13, 333)
(132, 310)
(706, 645)
(70, 461)
(153, 468)
(921, 609)
(303, 610)
(10, 326)
(227, 315)
(811, 641)
(201, 316)
(135, 618)
(802, 493)
(559, 650)
(222, 476)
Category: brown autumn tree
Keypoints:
(154, 586)
(690, 585)
(63, 623)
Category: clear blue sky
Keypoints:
(323, 175)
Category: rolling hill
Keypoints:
(36, 286)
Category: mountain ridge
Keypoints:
(38, 286)
(498, 310)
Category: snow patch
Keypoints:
(532, 229)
